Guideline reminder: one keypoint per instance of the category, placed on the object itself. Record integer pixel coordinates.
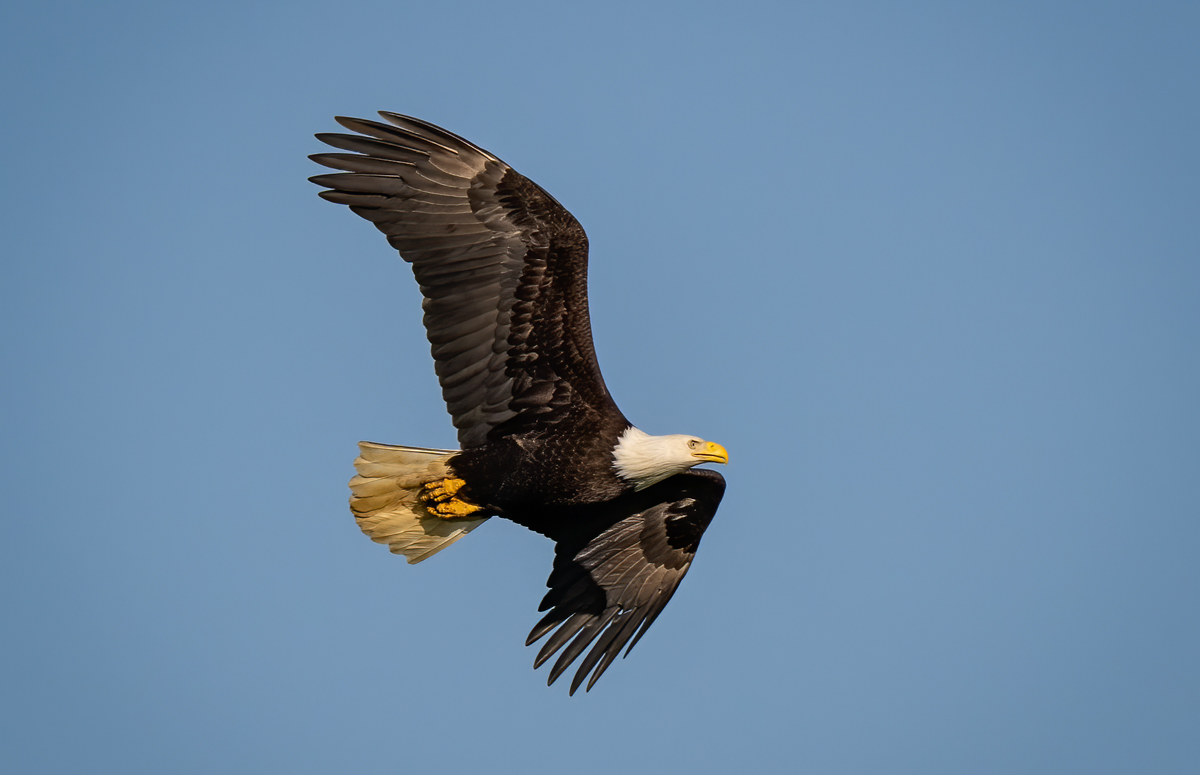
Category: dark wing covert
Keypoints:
(501, 264)
(610, 583)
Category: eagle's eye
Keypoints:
(693, 443)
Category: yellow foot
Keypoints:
(439, 498)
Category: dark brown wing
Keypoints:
(617, 572)
(502, 266)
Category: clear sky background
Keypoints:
(929, 270)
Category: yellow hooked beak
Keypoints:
(711, 452)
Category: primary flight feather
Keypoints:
(502, 267)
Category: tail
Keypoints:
(385, 503)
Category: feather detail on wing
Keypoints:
(502, 266)
(610, 583)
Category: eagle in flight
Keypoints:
(502, 267)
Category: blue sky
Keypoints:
(930, 271)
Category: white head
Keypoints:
(644, 459)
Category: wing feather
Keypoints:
(614, 575)
(501, 264)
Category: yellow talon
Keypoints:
(454, 508)
(442, 490)
(440, 500)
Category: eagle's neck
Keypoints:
(643, 460)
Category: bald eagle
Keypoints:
(503, 270)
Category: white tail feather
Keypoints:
(385, 503)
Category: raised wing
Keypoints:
(614, 576)
(502, 266)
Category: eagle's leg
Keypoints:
(440, 497)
